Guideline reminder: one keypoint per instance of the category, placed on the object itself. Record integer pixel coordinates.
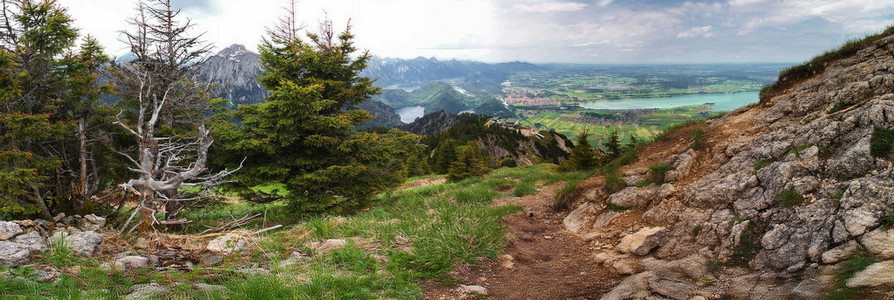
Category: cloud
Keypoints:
(547, 7)
(702, 31)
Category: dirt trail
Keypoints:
(547, 262)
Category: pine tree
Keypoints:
(613, 144)
(470, 163)
(582, 157)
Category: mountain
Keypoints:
(412, 73)
(384, 115)
(431, 123)
(789, 198)
(437, 96)
(234, 70)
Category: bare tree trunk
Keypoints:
(82, 157)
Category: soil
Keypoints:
(541, 261)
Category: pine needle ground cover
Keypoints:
(412, 236)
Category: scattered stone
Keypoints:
(59, 217)
(142, 243)
(228, 243)
(295, 258)
(643, 241)
(840, 253)
(547, 237)
(13, 254)
(33, 240)
(8, 230)
(810, 288)
(506, 261)
(874, 275)
(45, 273)
(83, 243)
(626, 266)
(327, 245)
(211, 260)
(147, 291)
(91, 222)
(473, 289)
(130, 263)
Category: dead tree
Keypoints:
(157, 84)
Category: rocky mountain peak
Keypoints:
(233, 50)
(773, 201)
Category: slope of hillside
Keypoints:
(776, 200)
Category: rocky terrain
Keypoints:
(234, 70)
(778, 200)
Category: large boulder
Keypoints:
(879, 241)
(81, 243)
(13, 254)
(643, 241)
(634, 196)
(9, 230)
(877, 274)
(228, 243)
(33, 240)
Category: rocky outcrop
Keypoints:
(779, 192)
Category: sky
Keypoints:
(538, 31)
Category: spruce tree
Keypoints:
(469, 163)
(582, 157)
(613, 144)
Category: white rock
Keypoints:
(840, 253)
(626, 266)
(879, 241)
(228, 243)
(643, 241)
(33, 240)
(13, 254)
(8, 230)
(83, 243)
(130, 263)
(874, 275)
(473, 289)
(91, 222)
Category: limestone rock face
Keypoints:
(787, 187)
(8, 230)
(13, 254)
(874, 275)
(643, 241)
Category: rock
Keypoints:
(83, 243)
(506, 261)
(91, 222)
(13, 254)
(142, 243)
(8, 230)
(840, 253)
(211, 289)
(33, 240)
(327, 245)
(45, 273)
(877, 274)
(130, 263)
(879, 241)
(810, 288)
(211, 260)
(228, 243)
(626, 266)
(634, 196)
(473, 290)
(295, 258)
(680, 166)
(671, 288)
(643, 241)
(630, 287)
(147, 291)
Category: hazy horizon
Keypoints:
(537, 31)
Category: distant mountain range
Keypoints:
(451, 85)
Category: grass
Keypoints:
(564, 196)
(790, 198)
(797, 150)
(763, 163)
(524, 188)
(614, 183)
(445, 224)
(798, 73)
(618, 208)
(881, 142)
(698, 136)
(856, 263)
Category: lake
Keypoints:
(722, 101)
(410, 113)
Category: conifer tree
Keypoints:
(469, 163)
(613, 144)
(582, 157)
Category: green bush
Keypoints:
(880, 143)
(790, 198)
(657, 173)
(614, 183)
(564, 196)
(698, 136)
(508, 162)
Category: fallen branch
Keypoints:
(264, 230)
(235, 223)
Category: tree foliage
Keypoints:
(471, 162)
(582, 157)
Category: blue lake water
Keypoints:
(722, 102)
(410, 113)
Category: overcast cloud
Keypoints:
(594, 31)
